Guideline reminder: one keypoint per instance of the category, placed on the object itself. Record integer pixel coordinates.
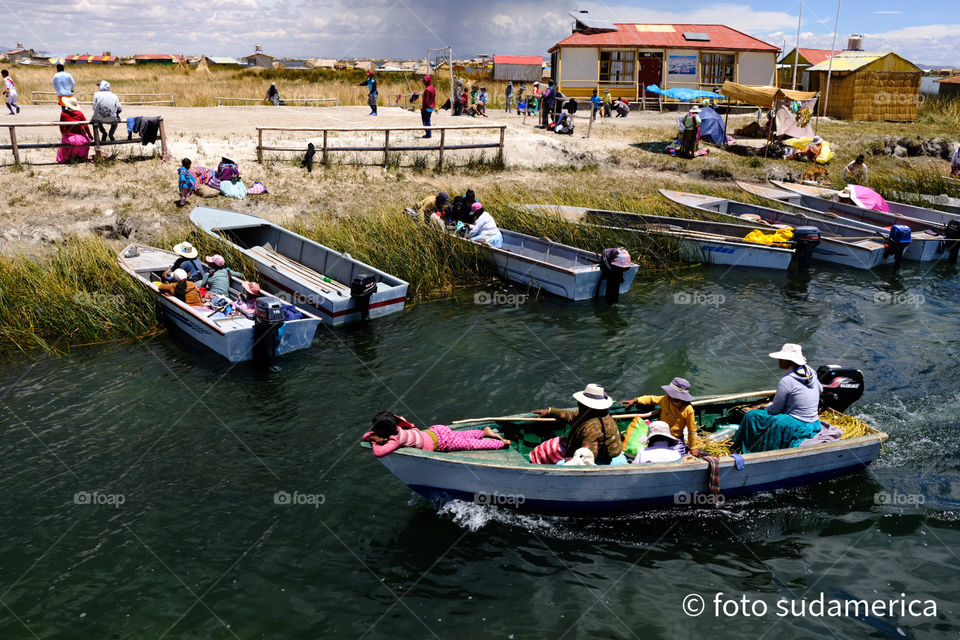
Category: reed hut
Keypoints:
(868, 85)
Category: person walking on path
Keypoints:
(508, 96)
(371, 84)
(10, 93)
(428, 103)
(106, 108)
(63, 84)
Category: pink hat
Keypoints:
(476, 206)
(216, 260)
(251, 287)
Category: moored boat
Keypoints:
(699, 241)
(233, 337)
(557, 268)
(863, 249)
(506, 477)
(330, 284)
(927, 240)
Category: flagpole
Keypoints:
(833, 47)
(796, 52)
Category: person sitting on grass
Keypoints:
(676, 411)
(390, 432)
(182, 288)
(856, 171)
(793, 414)
(590, 426)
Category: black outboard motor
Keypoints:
(266, 331)
(613, 264)
(952, 233)
(900, 237)
(805, 240)
(842, 386)
(361, 288)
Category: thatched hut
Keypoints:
(867, 85)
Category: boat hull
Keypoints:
(625, 487)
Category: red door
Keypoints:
(649, 71)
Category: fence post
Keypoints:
(259, 145)
(593, 114)
(173, 100)
(443, 135)
(96, 141)
(163, 142)
(503, 133)
(643, 105)
(386, 147)
(325, 132)
(13, 143)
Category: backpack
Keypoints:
(227, 171)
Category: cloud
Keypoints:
(888, 13)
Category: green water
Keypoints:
(195, 449)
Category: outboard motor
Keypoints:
(900, 237)
(805, 240)
(842, 386)
(361, 288)
(952, 234)
(613, 264)
(267, 329)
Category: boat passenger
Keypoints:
(591, 426)
(247, 300)
(434, 208)
(484, 229)
(676, 411)
(661, 445)
(389, 432)
(186, 260)
(182, 288)
(792, 416)
(217, 277)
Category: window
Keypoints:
(716, 67)
(617, 67)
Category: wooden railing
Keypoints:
(96, 143)
(164, 99)
(386, 148)
(287, 101)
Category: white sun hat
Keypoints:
(791, 352)
(594, 397)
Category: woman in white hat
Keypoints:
(792, 416)
(591, 426)
(661, 445)
(186, 260)
(690, 138)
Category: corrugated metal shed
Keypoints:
(221, 60)
(658, 36)
(520, 68)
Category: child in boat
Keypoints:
(675, 410)
(389, 432)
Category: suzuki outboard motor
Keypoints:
(361, 288)
(805, 240)
(842, 386)
(900, 237)
(613, 264)
(267, 327)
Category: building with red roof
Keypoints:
(624, 57)
(106, 58)
(949, 87)
(518, 68)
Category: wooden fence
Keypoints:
(286, 101)
(386, 148)
(163, 99)
(97, 143)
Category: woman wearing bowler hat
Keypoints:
(675, 410)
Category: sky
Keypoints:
(927, 34)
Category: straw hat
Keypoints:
(594, 397)
(678, 389)
(71, 102)
(185, 250)
(791, 352)
(662, 429)
(251, 287)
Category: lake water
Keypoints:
(138, 480)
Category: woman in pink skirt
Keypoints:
(390, 432)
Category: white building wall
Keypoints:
(578, 66)
(757, 68)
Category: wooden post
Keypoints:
(325, 146)
(259, 145)
(173, 100)
(593, 113)
(13, 143)
(386, 147)
(643, 105)
(163, 142)
(503, 133)
(443, 133)
(96, 141)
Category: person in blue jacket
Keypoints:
(371, 84)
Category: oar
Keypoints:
(617, 416)
(739, 396)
